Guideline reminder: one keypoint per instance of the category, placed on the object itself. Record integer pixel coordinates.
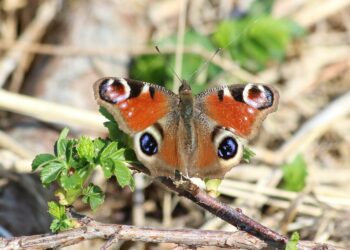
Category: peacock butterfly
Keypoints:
(196, 135)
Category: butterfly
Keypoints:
(199, 135)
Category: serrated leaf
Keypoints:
(107, 167)
(69, 145)
(61, 221)
(55, 210)
(61, 143)
(55, 226)
(93, 195)
(41, 160)
(293, 242)
(294, 174)
(113, 152)
(85, 148)
(122, 173)
(61, 225)
(71, 181)
(99, 144)
(51, 172)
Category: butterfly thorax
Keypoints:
(187, 140)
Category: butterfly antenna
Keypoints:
(171, 68)
(204, 65)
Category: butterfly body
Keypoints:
(196, 135)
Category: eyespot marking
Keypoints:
(114, 90)
(228, 148)
(148, 144)
(258, 96)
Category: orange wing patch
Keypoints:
(141, 112)
(230, 113)
(168, 152)
(206, 155)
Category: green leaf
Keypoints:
(61, 221)
(255, 41)
(93, 195)
(55, 226)
(99, 144)
(114, 132)
(55, 210)
(85, 148)
(150, 68)
(109, 150)
(248, 154)
(41, 160)
(212, 186)
(61, 225)
(294, 174)
(113, 152)
(71, 181)
(51, 172)
(293, 242)
(123, 174)
(107, 167)
(103, 111)
(69, 145)
(66, 198)
(61, 144)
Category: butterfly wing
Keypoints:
(229, 112)
(239, 107)
(135, 105)
(148, 113)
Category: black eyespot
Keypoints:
(148, 144)
(227, 148)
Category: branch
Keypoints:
(94, 230)
(233, 216)
(91, 229)
(64, 50)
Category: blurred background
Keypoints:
(52, 51)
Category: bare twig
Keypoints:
(59, 50)
(51, 112)
(93, 230)
(7, 142)
(233, 216)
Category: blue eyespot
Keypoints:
(148, 144)
(227, 148)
